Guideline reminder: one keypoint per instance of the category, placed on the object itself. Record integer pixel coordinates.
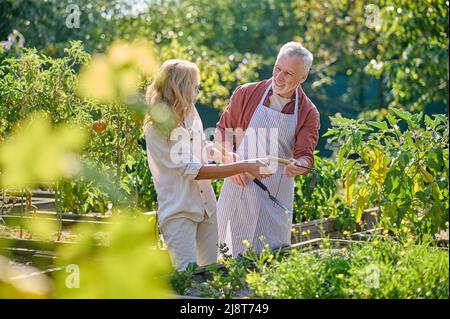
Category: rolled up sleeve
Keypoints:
(307, 137)
(178, 158)
(191, 170)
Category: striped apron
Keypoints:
(247, 213)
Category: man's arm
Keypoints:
(306, 142)
(228, 121)
(224, 134)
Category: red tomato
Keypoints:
(99, 126)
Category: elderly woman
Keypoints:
(178, 159)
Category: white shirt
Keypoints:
(278, 102)
(174, 162)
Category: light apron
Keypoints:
(247, 213)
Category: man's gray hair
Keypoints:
(296, 49)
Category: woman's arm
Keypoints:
(256, 168)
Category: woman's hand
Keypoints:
(259, 168)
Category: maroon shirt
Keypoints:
(244, 102)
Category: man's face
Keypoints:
(287, 75)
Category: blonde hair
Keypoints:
(173, 86)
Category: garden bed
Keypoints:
(225, 281)
(331, 268)
(214, 281)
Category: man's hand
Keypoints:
(291, 170)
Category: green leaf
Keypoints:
(416, 118)
(435, 160)
(392, 181)
(379, 125)
(429, 122)
(392, 120)
(356, 139)
(404, 159)
(404, 115)
(361, 202)
(409, 140)
(330, 132)
(423, 197)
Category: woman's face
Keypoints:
(195, 93)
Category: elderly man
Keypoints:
(291, 123)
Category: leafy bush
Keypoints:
(385, 269)
(35, 82)
(322, 201)
(399, 164)
(310, 275)
(377, 269)
(80, 196)
(115, 137)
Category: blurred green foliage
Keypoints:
(129, 266)
(38, 153)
